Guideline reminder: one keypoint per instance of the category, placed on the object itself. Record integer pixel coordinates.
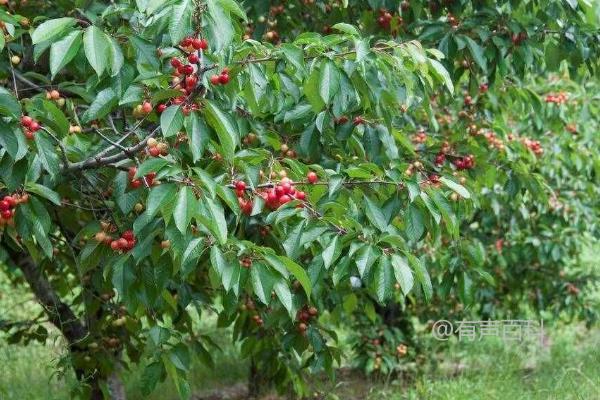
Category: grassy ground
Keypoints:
(567, 368)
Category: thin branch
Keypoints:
(63, 150)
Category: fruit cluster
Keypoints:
(246, 262)
(30, 126)
(156, 148)
(142, 109)
(221, 79)
(534, 146)
(385, 19)
(282, 193)
(519, 38)
(466, 162)
(8, 206)
(124, 243)
(494, 141)
(246, 205)
(420, 136)
(136, 183)
(304, 316)
(55, 96)
(557, 98)
(453, 21)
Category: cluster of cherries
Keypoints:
(8, 205)
(30, 126)
(358, 120)
(452, 20)
(466, 162)
(533, 145)
(221, 79)
(55, 96)
(125, 242)
(420, 137)
(156, 148)
(440, 158)
(246, 262)
(136, 183)
(494, 141)
(304, 315)
(557, 98)
(385, 19)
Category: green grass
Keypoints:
(569, 368)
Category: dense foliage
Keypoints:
(165, 159)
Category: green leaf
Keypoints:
(185, 208)
(476, 52)
(225, 128)
(198, 133)
(159, 196)
(262, 281)
(295, 269)
(153, 164)
(442, 74)
(9, 104)
(233, 7)
(458, 188)
(383, 279)
(414, 222)
(116, 56)
(218, 225)
(284, 295)
(180, 24)
(346, 28)
(330, 252)
(43, 191)
(219, 27)
(329, 81)
(102, 105)
(403, 273)
(46, 152)
(422, 275)
(63, 51)
(96, 46)
(365, 258)
(171, 121)
(375, 215)
(50, 29)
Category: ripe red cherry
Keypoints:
(312, 177)
(358, 121)
(160, 108)
(300, 195)
(175, 62)
(4, 205)
(279, 190)
(128, 235)
(187, 69)
(272, 196)
(26, 121)
(240, 185)
(191, 81)
(34, 126)
(114, 245)
(154, 151)
(200, 44)
(285, 199)
(131, 172)
(186, 42)
(147, 107)
(223, 79)
(11, 201)
(193, 58)
(286, 187)
(136, 183)
(215, 80)
(123, 243)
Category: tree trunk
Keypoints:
(59, 314)
(253, 380)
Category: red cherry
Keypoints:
(358, 121)
(128, 235)
(224, 79)
(122, 243)
(151, 175)
(300, 195)
(4, 205)
(154, 151)
(147, 107)
(130, 245)
(203, 44)
(279, 190)
(272, 196)
(131, 172)
(312, 177)
(136, 183)
(240, 185)
(286, 187)
(215, 80)
(26, 121)
(28, 135)
(187, 69)
(191, 81)
(225, 71)
(161, 108)
(34, 126)
(186, 42)
(175, 62)
(193, 58)
(114, 245)
(11, 200)
(285, 199)
(247, 208)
